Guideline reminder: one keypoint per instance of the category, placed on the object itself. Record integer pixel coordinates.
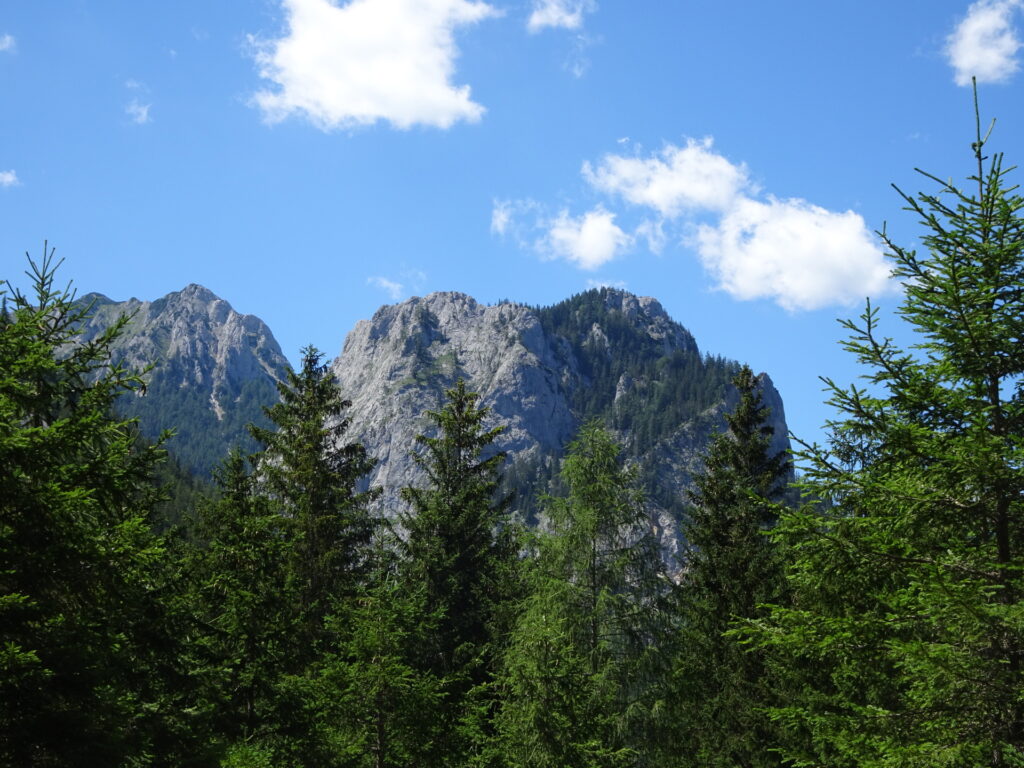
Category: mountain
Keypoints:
(212, 369)
(603, 354)
(542, 371)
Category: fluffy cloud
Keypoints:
(566, 14)
(676, 180)
(587, 241)
(7, 43)
(985, 44)
(8, 179)
(390, 287)
(342, 66)
(800, 255)
(138, 112)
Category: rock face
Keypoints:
(605, 354)
(213, 368)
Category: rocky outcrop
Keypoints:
(212, 368)
(542, 372)
(604, 354)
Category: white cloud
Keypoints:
(799, 255)
(985, 44)
(654, 233)
(138, 112)
(7, 43)
(393, 289)
(588, 241)
(564, 14)
(677, 180)
(342, 66)
(501, 217)
(9, 179)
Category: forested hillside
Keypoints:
(877, 623)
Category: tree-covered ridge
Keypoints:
(641, 372)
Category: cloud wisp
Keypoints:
(393, 289)
(8, 44)
(754, 246)
(342, 66)
(9, 179)
(138, 112)
(985, 43)
(559, 14)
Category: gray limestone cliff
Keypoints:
(212, 368)
(604, 354)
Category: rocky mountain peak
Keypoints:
(207, 360)
(604, 354)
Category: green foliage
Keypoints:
(584, 671)
(732, 571)
(906, 634)
(245, 605)
(674, 386)
(460, 548)
(80, 571)
(313, 477)
(381, 709)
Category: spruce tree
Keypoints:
(243, 598)
(314, 479)
(459, 550)
(84, 640)
(584, 671)
(905, 639)
(731, 571)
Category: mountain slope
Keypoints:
(212, 369)
(543, 371)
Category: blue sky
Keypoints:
(309, 160)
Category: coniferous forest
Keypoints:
(875, 618)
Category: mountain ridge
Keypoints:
(542, 371)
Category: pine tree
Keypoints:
(584, 671)
(82, 623)
(732, 570)
(459, 549)
(905, 640)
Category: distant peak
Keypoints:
(194, 290)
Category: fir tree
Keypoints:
(905, 640)
(731, 571)
(243, 597)
(584, 670)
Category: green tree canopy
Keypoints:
(584, 669)
(80, 571)
(732, 569)
(905, 637)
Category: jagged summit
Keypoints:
(601, 354)
(212, 368)
(543, 371)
